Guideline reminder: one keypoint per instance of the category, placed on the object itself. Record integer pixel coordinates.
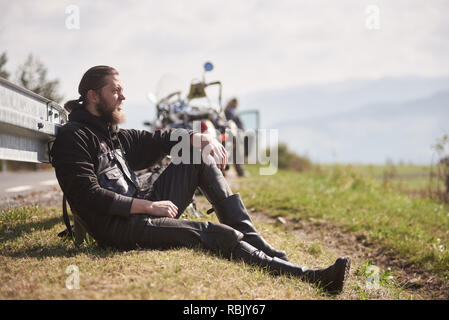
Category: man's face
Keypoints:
(111, 101)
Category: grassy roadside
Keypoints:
(34, 262)
(404, 178)
(415, 229)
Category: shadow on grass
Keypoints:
(65, 248)
(20, 229)
(54, 246)
(60, 247)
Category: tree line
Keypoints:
(32, 75)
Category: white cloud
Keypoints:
(366, 140)
(254, 44)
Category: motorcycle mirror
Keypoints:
(151, 97)
(208, 66)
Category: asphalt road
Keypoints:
(24, 182)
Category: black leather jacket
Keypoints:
(95, 163)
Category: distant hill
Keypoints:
(434, 106)
(365, 121)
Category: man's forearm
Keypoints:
(196, 140)
(120, 206)
(140, 206)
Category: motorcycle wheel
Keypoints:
(240, 170)
(238, 167)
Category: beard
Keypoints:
(110, 114)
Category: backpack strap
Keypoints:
(70, 231)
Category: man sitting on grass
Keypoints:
(95, 164)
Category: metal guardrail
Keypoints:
(28, 122)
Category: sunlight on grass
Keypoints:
(408, 226)
(34, 262)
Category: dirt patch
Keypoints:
(360, 248)
(48, 198)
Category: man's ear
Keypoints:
(92, 97)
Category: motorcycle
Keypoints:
(197, 112)
(173, 110)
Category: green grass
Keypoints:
(33, 264)
(401, 177)
(414, 229)
(33, 260)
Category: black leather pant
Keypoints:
(177, 183)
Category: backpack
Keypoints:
(76, 231)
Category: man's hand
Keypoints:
(163, 209)
(211, 149)
(155, 208)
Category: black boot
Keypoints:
(232, 212)
(331, 279)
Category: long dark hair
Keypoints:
(93, 79)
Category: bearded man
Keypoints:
(95, 164)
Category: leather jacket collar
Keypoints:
(84, 116)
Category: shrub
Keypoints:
(290, 160)
(441, 171)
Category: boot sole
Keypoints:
(342, 266)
